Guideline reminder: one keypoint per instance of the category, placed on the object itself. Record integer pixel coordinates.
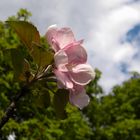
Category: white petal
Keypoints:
(82, 74)
(61, 60)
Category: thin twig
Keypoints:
(10, 110)
(24, 90)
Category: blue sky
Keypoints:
(133, 35)
(110, 29)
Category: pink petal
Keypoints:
(76, 43)
(61, 59)
(78, 97)
(76, 54)
(82, 74)
(64, 36)
(63, 80)
(51, 33)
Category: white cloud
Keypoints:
(124, 53)
(102, 23)
(108, 51)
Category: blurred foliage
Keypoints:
(114, 116)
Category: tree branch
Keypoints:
(10, 110)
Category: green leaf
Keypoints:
(60, 101)
(27, 32)
(41, 56)
(43, 99)
(17, 61)
(25, 74)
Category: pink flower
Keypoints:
(71, 70)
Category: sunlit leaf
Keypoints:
(60, 101)
(41, 56)
(27, 32)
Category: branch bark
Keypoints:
(10, 110)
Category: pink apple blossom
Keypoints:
(71, 68)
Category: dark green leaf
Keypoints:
(41, 56)
(60, 101)
(27, 32)
(17, 61)
(42, 99)
(25, 74)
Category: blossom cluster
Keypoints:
(71, 68)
